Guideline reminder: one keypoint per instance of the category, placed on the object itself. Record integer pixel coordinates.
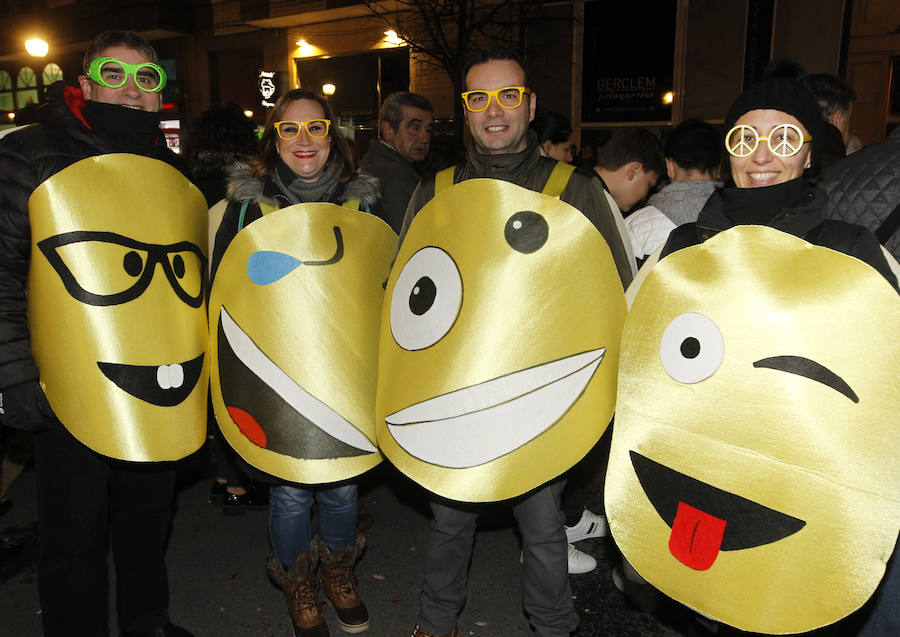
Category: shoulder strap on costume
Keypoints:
(352, 204)
(558, 179)
(266, 208)
(444, 179)
(889, 226)
(244, 205)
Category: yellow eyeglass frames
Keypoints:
(509, 97)
(317, 128)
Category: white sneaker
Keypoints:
(590, 525)
(580, 562)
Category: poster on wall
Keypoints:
(628, 72)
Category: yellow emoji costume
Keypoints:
(116, 305)
(499, 341)
(294, 339)
(753, 472)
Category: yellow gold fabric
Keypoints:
(294, 340)
(499, 342)
(116, 305)
(753, 472)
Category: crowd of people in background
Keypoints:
(661, 187)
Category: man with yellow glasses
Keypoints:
(92, 160)
(499, 104)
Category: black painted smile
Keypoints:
(162, 385)
(273, 411)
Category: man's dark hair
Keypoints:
(551, 126)
(694, 144)
(632, 144)
(392, 107)
(494, 55)
(112, 38)
(831, 92)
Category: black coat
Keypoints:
(28, 157)
(804, 216)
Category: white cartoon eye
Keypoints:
(426, 299)
(692, 348)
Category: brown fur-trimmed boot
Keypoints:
(300, 584)
(339, 583)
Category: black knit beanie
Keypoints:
(780, 94)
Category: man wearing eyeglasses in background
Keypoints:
(499, 106)
(84, 496)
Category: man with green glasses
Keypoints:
(86, 499)
(499, 104)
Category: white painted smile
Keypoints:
(474, 425)
(313, 409)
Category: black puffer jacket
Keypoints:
(28, 157)
(864, 187)
(797, 207)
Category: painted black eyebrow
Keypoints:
(810, 369)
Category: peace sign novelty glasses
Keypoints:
(113, 73)
(785, 140)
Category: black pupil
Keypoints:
(422, 296)
(526, 231)
(178, 265)
(133, 263)
(690, 347)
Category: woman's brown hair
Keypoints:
(268, 157)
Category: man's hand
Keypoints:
(25, 407)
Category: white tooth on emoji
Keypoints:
(317, 412)
(162, 377)
(176, 375)
(170, 376)
(501, 414)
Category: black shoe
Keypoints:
(169, 630)
(254, 498)
(217, 491)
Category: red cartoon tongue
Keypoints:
(248, 426)
(696, 537)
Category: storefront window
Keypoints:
(26, 87)
(52, 73)
(6, 92)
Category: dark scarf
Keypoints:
(122, 129)
(760, 206)
(299, 191)
(510, 167)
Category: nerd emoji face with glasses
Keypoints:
(767, 147)
(126, 77)
(498, 107)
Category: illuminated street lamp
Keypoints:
(37, 47)
(328, 89)
(668, 97)
(248, 114)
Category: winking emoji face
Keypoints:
(752, 472)
(499, 342)
(294, 331)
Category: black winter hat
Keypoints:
(780, 94)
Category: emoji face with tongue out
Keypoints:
(752, 472)
(116, 305)
(499, 342)
(294, 335)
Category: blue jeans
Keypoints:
(290, 526)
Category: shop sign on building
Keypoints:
(627, 72)
(268, 88)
